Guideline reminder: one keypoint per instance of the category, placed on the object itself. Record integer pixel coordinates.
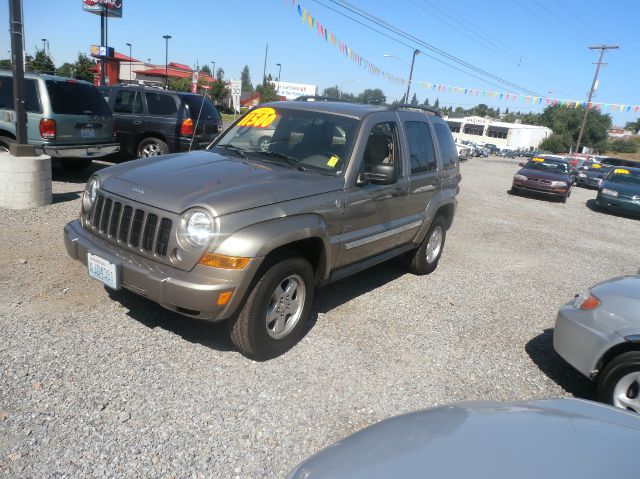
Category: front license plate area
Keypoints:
(104, 271)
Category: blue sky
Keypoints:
(540, 45)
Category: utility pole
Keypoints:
(20, 147)
(413, 60)
(602, 49)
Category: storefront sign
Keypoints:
(294, 90)
(111, 8)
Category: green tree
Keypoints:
(436, 105)
(331, 92)
(82, 68)
(66, 70)
(557, 143)
(218, 91)
(267, 92)
(219, 74)
(5, 63)
(179, 84)
(623, 146)
(633, 126)
(372, 96)
(41, 62)
(414, 100)
(566, 123)
(426, 102)
(205, 69)
(245, 77)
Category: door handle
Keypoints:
(399, 192)
(137, 122)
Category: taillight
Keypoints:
(48, 129)
(186, 128)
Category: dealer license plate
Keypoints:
(87, 132)
(103, 270)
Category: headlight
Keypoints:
(196, 228)
(558, 183)
(582, 175)
(608, 192)
(520, 177)
(90, 192)
(585, 300)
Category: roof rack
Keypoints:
(321, 98)
(407, 106)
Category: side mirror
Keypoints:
(521, 164)
(383, 174)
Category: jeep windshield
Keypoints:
(303, 139)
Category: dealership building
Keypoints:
(513, 136)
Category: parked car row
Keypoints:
(73, 121)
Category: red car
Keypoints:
(543, 175)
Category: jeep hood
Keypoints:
(225, 183)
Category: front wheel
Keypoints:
(273, 318)
(5, 142)
(619, 382)
(424, 260)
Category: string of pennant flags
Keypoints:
(344, 49)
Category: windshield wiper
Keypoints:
(235, 149)
(289, 160)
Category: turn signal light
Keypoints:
(48, 129)
(186, 129)
(586, 301)
(225, 262)
(224, 298)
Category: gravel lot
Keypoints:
(99, 384)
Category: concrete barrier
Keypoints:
(25, 181)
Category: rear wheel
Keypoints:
(424, 260)
(263, 143)
(619, 382)
(151, 147)
(274, 316)
(5, 141)
(75, 164)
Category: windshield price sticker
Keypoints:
(621, 171)
(333, 161)
(596, 166)
(259, 118)
(538, 160)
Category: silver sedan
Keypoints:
(598, 333)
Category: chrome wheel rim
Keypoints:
(284, 309)
(434, 244)
(4, 148)
(626, 393)
(263, 144)
(152, 149)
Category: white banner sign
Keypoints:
(294, 90)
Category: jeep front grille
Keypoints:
(130, 225)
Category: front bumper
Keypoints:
(543, 189)
(80, 151)
(618, 204)
(581, 339)
(191, 293)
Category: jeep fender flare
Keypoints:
(258, 240)
(441, 201)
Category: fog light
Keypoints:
(224, 298)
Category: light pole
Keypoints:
(340, 88)
(130, 75)
(45, 45)
(415, 52)
(213, 72)
(166, 61)
(279, 71)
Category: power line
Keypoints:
(407, 45)
(410, 37)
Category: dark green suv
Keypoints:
(67, 119)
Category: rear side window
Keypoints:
(32, 103)
(69, 97)
(447, 145)
(161, 104)
(423, 157)
(128, 101)
(194, 103)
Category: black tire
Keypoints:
(417, 261)
(5, 141)
(75, 164)
(613, 373)
(151, 147)
(563, 199)
(515, 190)
(251, 332)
